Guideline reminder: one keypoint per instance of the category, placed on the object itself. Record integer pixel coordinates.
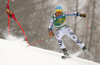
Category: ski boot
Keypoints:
(84, 49)
(65, 53)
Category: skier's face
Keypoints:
(58, 14)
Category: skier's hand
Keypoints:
(51, 33)
(82, 15)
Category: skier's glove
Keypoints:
(50, 32)
(82, 15)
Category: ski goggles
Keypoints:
(58, 10)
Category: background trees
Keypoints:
(34, 16)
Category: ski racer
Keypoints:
(58, 19)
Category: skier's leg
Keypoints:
(59, 36)
(70, 33)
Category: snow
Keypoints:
(15, 52)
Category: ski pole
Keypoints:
(87, 25)
(38, 41)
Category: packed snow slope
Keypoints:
(16, 53)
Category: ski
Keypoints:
(89, 54)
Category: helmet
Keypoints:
(58, 9)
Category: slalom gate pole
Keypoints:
(8, 23)
(23, 31)
(12, 15)
(38, 41)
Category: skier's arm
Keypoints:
(75, 14)
(51, 23)
(50, 27)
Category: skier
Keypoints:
(59, 21)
